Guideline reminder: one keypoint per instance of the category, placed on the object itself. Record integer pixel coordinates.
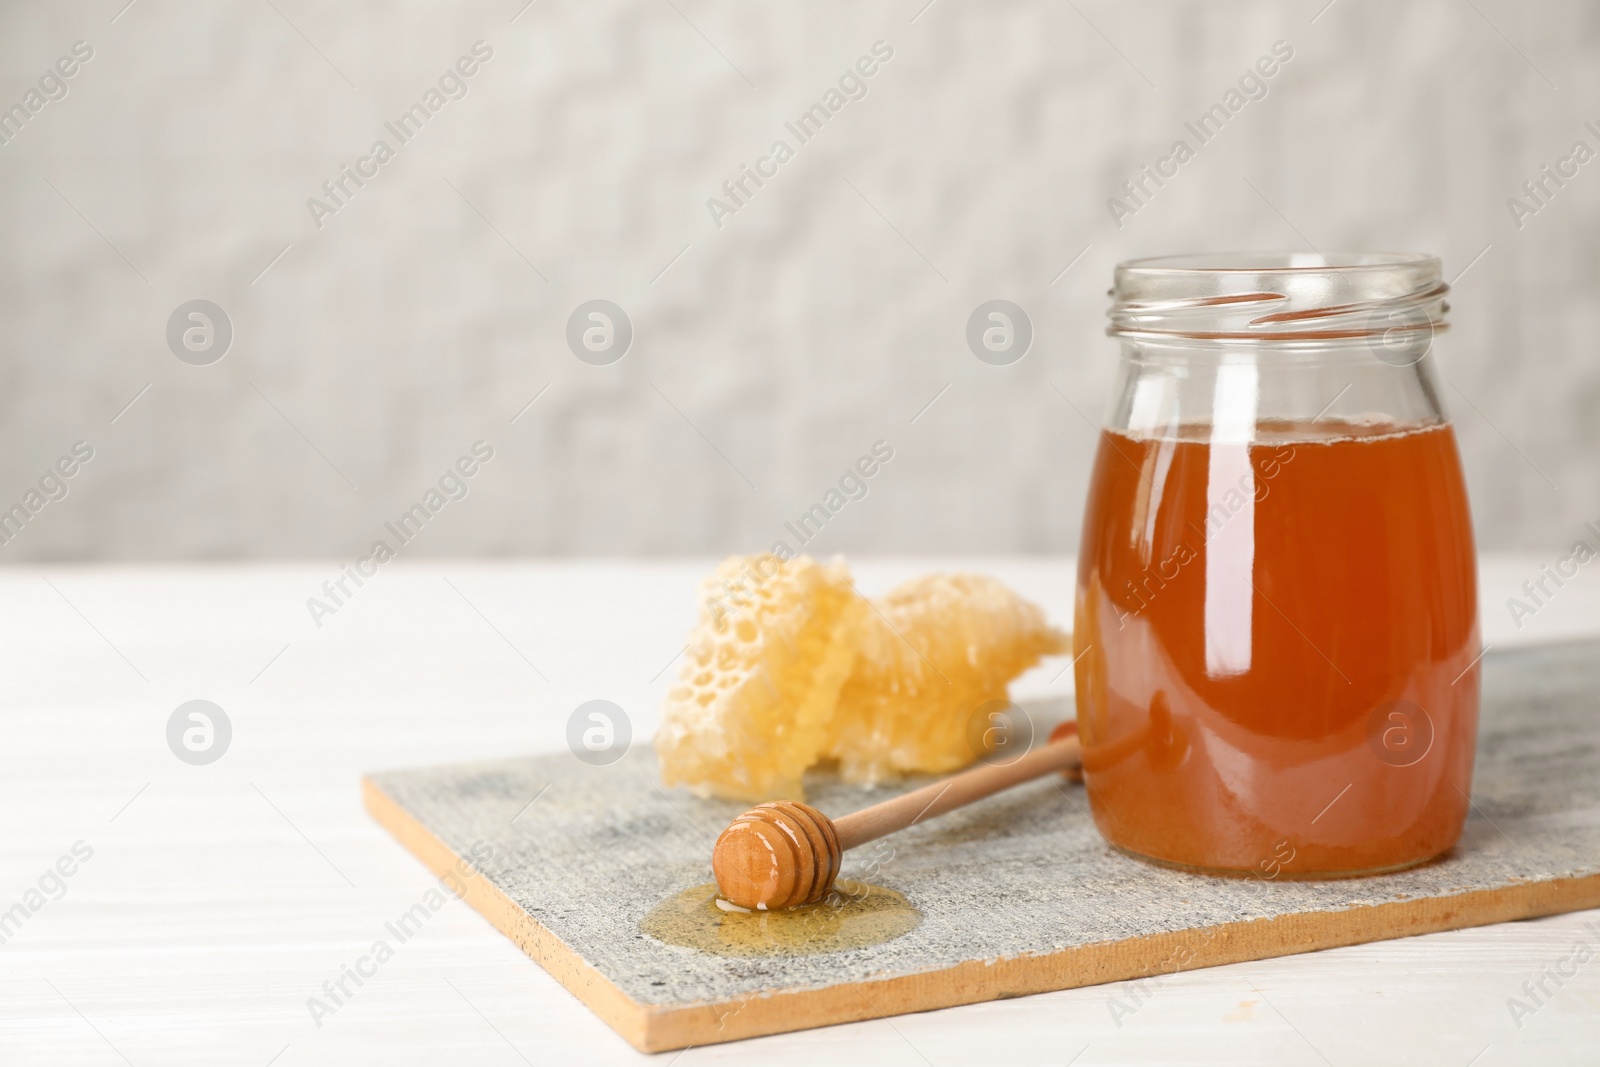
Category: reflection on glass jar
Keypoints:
(1277, 605)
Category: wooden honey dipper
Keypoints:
(784, 853)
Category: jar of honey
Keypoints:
(1276, 612)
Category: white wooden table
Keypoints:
(219, 898)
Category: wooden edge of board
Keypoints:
(616, 1009)
(655, 1029)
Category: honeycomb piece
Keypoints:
(774, 643)
(936, 649)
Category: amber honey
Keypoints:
(1278, 644)
(854, 915)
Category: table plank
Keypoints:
(215, 903)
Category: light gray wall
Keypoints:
(821, 317)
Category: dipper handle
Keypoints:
(784, 853)
(958, 790)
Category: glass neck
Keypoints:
(1253, 392)
(1238, 342)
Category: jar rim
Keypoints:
(1242, 262)
(1303, 298)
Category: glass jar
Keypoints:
(1276, 612)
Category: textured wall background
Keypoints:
(769, 352)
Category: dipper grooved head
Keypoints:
(777, 855)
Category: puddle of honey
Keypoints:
(853, 915)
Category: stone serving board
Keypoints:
(1019, 894)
